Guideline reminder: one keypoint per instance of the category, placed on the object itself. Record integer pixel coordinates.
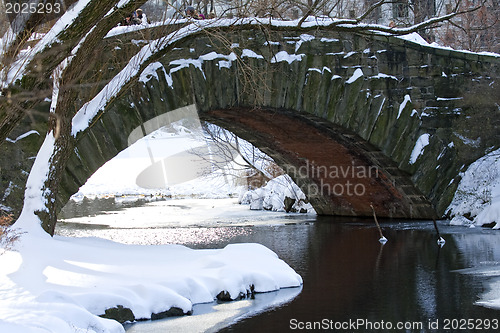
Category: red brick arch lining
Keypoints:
(340, 174)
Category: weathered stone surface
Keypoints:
(288, 202)
(172, 312)
(119, 313)
(224, 295)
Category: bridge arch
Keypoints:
(374, 98)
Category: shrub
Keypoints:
(8, 236)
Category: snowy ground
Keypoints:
(164, 163)
(63, 284)
(188, 212)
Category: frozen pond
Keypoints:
(348, 275)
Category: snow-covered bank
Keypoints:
(477, 199)
(64, 284)
(280, 194)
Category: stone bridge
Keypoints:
(356, 120)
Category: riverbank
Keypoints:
(66, 284)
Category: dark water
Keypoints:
(350, 277)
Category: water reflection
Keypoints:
(348, 274)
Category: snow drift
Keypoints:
(280, 194)
(477, 199)
(65, 284)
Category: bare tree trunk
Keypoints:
(60, 121)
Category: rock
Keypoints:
(224, 296)
(489, 225)
(468, 216)
(172, 312)
(288, 202)
(119, 313)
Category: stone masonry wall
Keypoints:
(390, 92)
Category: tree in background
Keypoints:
(474, 31)
(237, 158)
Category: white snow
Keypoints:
(418, 150)
(303, 38)
(356, 75)
(403, 105)
(381, 107)
(224, 64)
(321, 71)
(22, 136)
(449, 99)
(8, 191)
(478, 193)
(169, 161)
(250, 54)
(17, 70)
(90, 109)
(151, 72)
(329, 40)
(34, 196)
(271, 43)
(154, 222)
(414, 37)
(272, 196)
(349, 54)
(468, 141)
(63, 284)
(384, 76)
(284, 56)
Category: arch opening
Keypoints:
(339, 172)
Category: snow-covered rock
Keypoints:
(63, 284)
(280, 194)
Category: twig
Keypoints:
(382, 239)
(440, 240)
